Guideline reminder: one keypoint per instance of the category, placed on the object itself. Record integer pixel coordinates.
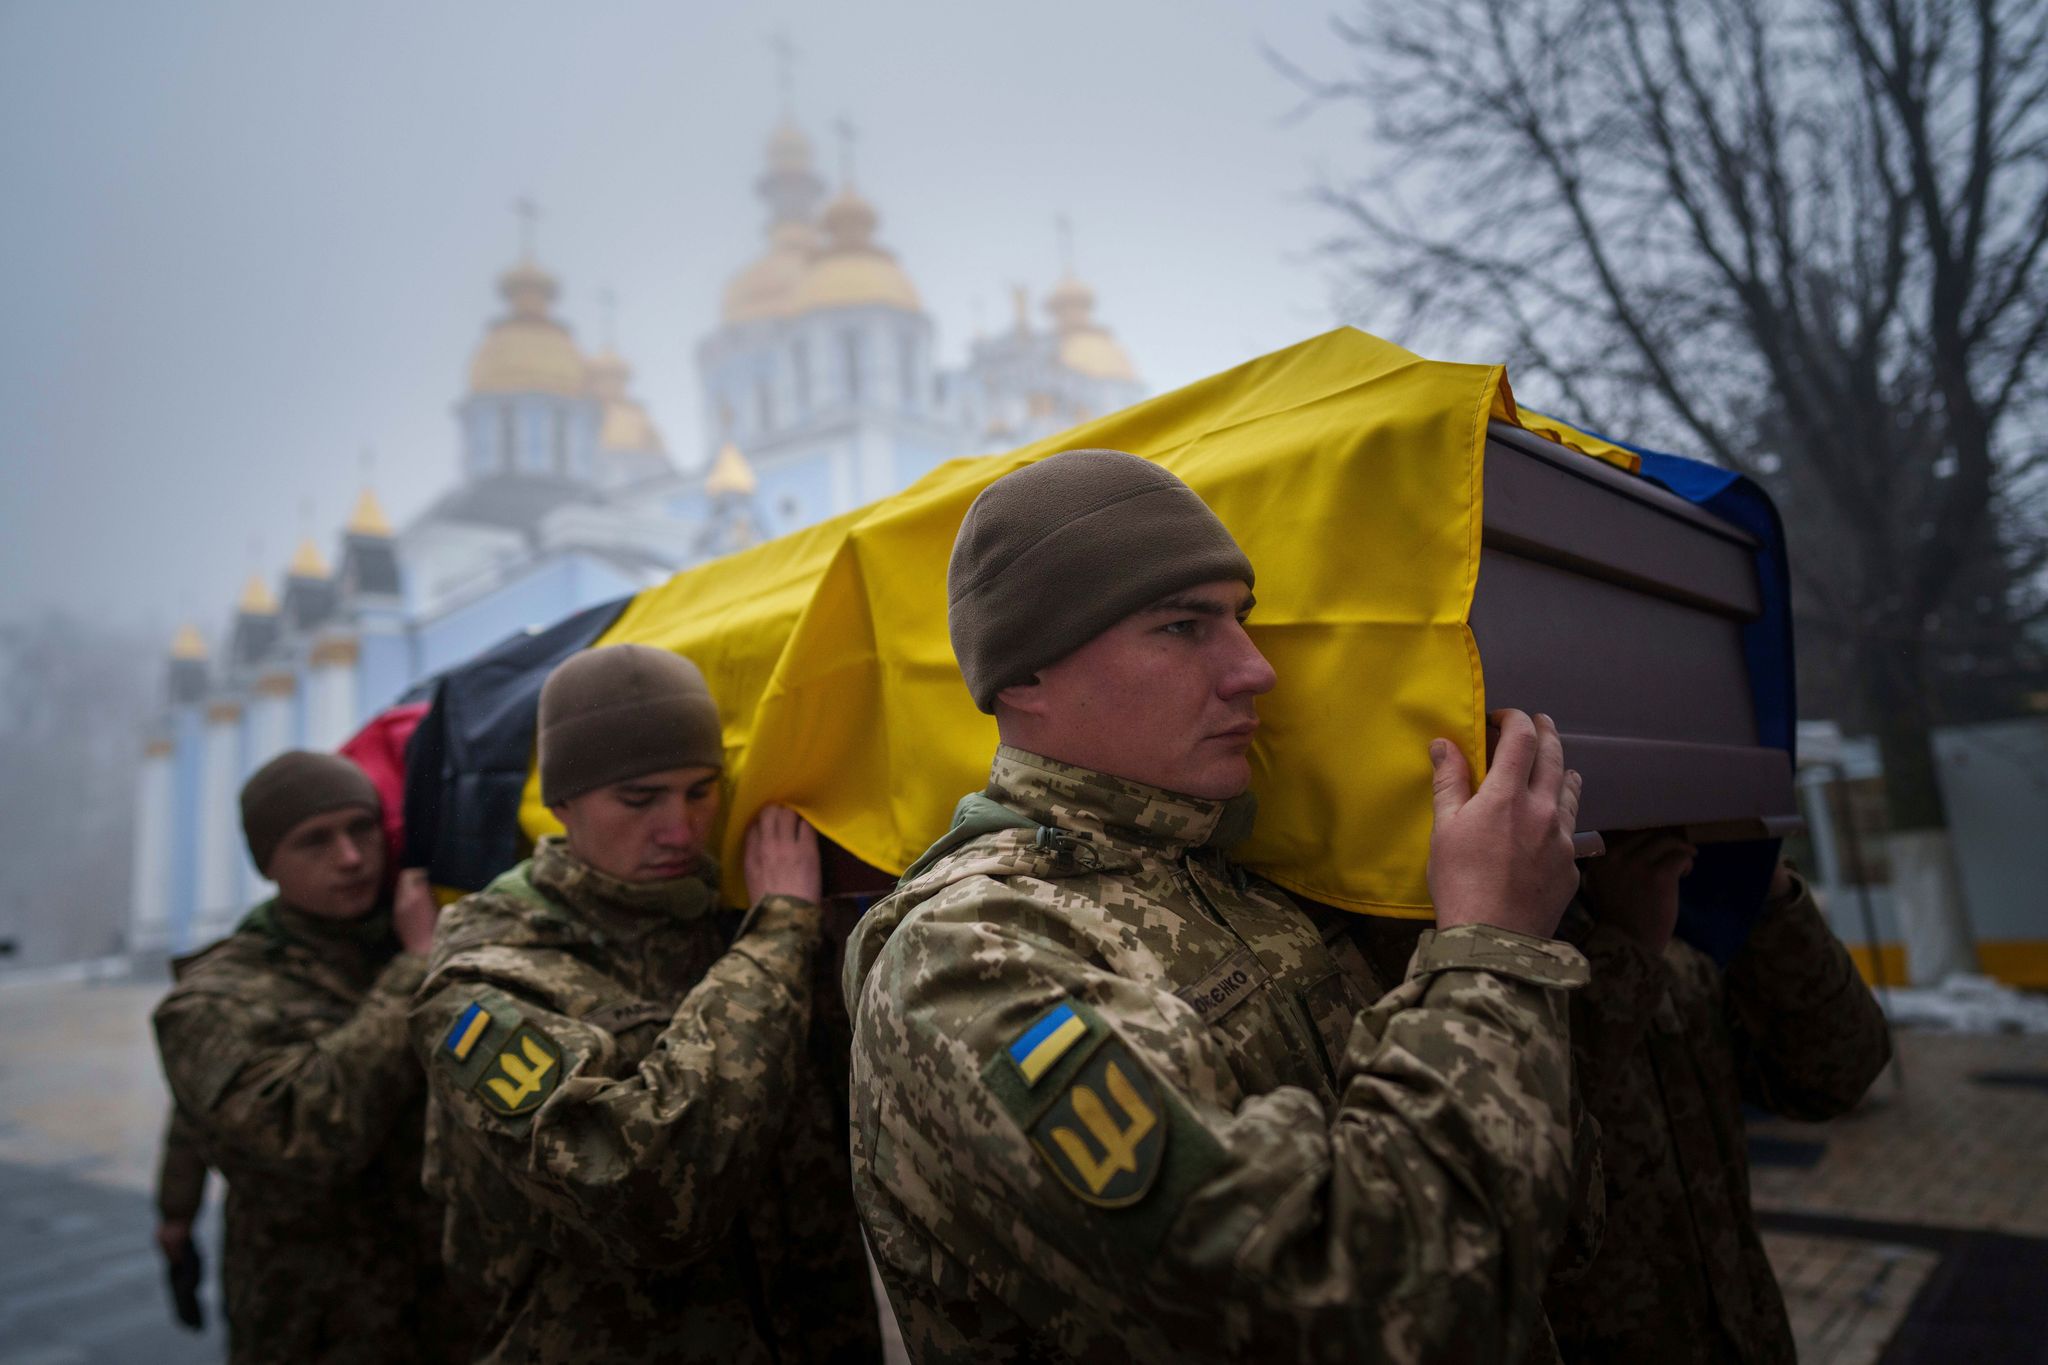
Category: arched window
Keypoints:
(561, 445)
(800, 374)
(764, 406)
(906, 364)
(508, 438)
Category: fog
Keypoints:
(248, 249)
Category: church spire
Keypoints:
(307, 561)
(368, 519)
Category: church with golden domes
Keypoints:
(824, 366)
(822, 389)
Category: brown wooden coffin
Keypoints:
(1617, 608)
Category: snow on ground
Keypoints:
(1967, 1004)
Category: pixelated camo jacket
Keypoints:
(1114, 1099)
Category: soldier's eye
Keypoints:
(1182, 627)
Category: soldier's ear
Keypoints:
(1027, 698)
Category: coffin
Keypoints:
(1618, 608)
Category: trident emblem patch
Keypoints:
(525, 1072)
(1102, 1136)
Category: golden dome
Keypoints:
(257, 598)
(789, 151)
(625, 425)
(851, 270)
(767, 288)
(1086, 347)
(730, 473)
(849, 219)
(1070, 302)
(188, 644)
(307, 561)
(1095, 353)
(368, 519)
(527, 351)
(608, 375)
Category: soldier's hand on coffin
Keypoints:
(1503, 855)
(414, 912)
(782, 857)
(1635, 887)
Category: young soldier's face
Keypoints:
(646, 829)
(331, 865)
(1167, 696)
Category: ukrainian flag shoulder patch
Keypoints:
(1094, 1114)
(469, 1046)
(469, 1027)
(1039, 1048)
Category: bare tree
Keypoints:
(1802, 238)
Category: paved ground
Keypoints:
(1914, 1230)
(80, 1108)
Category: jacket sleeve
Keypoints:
(1417, 1221)
(316, 1109)
(653, 1161)
(180, 1172)
(1807, 1034)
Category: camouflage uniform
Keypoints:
(631, 1125)
(1116, 1100)
(180, 1171)
(1668, 1051)
(285, 1048)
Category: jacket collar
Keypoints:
(1097, 806)
(620, 907)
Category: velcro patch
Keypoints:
(1226, 987)
(1105, 1135)
(1040, 1047)
(523, 1073)
(466, 1031)
(1091, 1110)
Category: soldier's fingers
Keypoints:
(1568, 801)
(1548, 769)
(1451, 786)
(1516, 752)
(1661, 844)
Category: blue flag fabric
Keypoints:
(1720, 901)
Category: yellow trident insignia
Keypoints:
(1119, 1144)
(1105, 1137)
(531, 1077)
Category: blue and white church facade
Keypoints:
(822, 389)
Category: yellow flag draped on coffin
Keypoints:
(1347, 468)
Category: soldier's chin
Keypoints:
(1220, 778)
(355, 903)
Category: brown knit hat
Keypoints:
(1057, 552)
(623, 711)
(294, 787)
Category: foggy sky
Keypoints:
(243, 243)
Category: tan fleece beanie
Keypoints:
(620, 712)
(294, 787)
(1057, 552)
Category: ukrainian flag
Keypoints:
(469, 1026)
(1045, 1042)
